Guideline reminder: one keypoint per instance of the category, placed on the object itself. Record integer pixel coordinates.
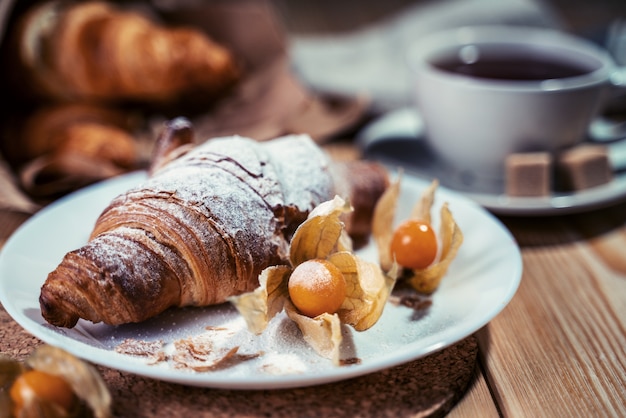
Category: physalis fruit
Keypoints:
(317, 287)
(414, 244)
(423, 256)
(320, 248)
(52, 383)
(49, 388)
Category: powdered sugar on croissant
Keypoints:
(200, 229)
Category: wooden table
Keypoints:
(558, 349)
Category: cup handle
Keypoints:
(613, 132)
(618, 84)
(603, 129)
(617, 155)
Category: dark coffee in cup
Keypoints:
(518, 65)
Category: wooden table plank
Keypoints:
(477, 402)
(558, 348)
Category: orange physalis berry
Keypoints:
(414, 244)
(46, 387)
(317, 287)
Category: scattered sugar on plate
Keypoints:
(282, 364)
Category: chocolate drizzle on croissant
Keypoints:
(200, 229)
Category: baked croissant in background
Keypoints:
(202, 227)
(84, 81)
(62, 147)
(95, 51)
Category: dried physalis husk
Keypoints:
(321, 233)
(424, 205)
(427, 280)
(9, 371)
(323, 332)
(84, 380)
(450, 237)
(262, 304)
(321, 236)
(382, 224)
(368, 290)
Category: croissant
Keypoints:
(81, 128)
(61, 147)
(208, 220)
(96, 51)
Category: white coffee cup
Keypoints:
(473, 122)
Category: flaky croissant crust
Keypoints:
(199, 230)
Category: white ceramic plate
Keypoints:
(481, 281)
(396, 139)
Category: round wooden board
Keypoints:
(428, 387)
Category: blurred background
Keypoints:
(371, 32)
(323, 67)
(586, 17)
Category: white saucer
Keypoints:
(396, 139)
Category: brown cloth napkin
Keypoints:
(11, 196)
(271, 100)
